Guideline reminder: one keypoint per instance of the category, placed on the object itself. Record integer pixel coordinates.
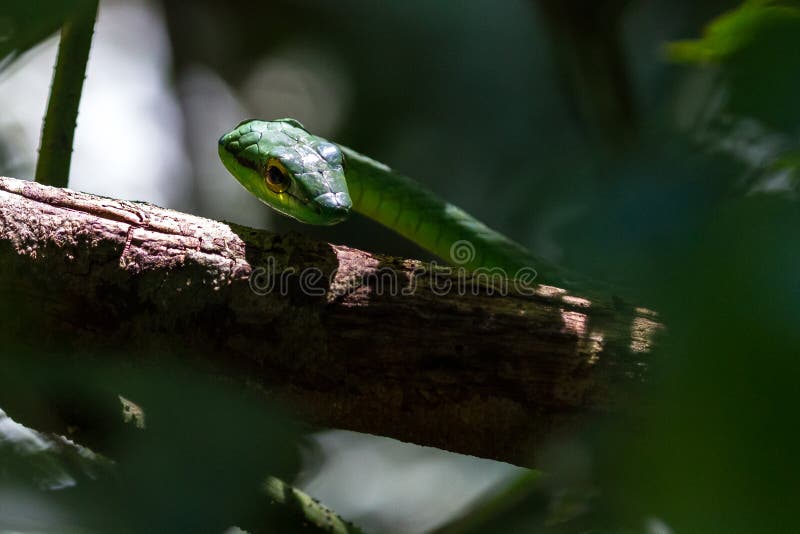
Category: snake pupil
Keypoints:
(277, 180)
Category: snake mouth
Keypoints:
(333, 207)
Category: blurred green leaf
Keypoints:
(734, 31)
(757, 48)
(522, 501)
(741, 97)
(789, 160)
(197, 465)
(713, 448)
(25, 24)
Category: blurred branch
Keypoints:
(58, 132)
(49, 462)
(479, 517)
(314, 515)
(592, 65)
(57, 465)
(467, 371)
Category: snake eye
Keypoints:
(276, 178)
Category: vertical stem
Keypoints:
(588, 50)
(55, 151)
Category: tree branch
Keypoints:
(463, 370)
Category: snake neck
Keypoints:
(443, 229)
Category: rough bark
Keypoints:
(470, 371)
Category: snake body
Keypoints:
(319, 182)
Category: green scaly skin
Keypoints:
(318, 182)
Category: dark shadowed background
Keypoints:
(570, 126)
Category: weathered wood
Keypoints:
(464, 370)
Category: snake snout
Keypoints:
(226, 142)
(334, 207)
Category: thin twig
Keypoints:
(58, 132)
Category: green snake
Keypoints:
(319, 182)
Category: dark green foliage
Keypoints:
(23, 25)
(197, 465)
(754, 53)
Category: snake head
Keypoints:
(296, 173)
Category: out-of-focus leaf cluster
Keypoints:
(195, 459)
(749, 74)
(736, 30)
(23, 25)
